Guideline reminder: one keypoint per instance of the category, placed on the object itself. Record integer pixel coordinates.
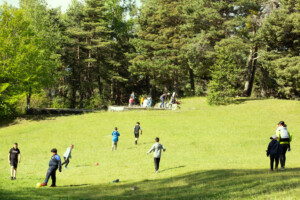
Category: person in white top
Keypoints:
(284, 138)
(145, 103)
(67, 156)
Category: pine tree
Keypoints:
(96, 42)
(280, 56)
(73, 53)
(158, 45)
(222, 89)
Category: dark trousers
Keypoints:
(66, 162)
(51, 173)
(282, 154)
(272, 162)
(156, 163)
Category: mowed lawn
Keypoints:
(212, 153)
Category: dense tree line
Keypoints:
(98, 51)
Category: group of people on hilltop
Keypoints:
(144, 101)
(147, 101)
(279, 145)
(164, 98)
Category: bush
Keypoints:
(96, 102)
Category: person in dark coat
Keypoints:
(54, 164)
(274, 150)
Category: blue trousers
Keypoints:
(162, 105)
(51, 173)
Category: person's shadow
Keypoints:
(172, 168)
(73, 185)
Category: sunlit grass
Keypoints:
(212, 153)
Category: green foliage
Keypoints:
(158, 45)
(96, 54)
(28, 56)
(20, 58)
(38, 100)
(222, 89)
(281, 33)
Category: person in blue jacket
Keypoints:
(115, 138)
(274, 150)
(54, 164)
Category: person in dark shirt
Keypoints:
(163, 98)
(54, 163)
(14, 157)
(136, 131)
(274, 150)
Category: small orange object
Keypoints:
(96, 164)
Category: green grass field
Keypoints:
(212, 153)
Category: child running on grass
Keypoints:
(115, 138)
(136, 131)
(67, 156)
(274, 150)
(54, 163)
(156, 148)
(14, 157)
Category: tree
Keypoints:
(222, 87)
(22, 59)
(44, 23)
(157, 60)
(73, 54)
(280, 34)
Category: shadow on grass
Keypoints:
(17, 120)
(245, 99)
(171, 168)
(64, 186)
(210, 184)
(82, 165)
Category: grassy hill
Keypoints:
(212, 153)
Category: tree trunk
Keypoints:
(73, 88)
(148, 84)
(251, 82)
(265, 78)
(153, 94)
(99, 85)
(80, 93)
(28, 97)
(250, 71)
(112, 94)
(73, 95)
(192, 81)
